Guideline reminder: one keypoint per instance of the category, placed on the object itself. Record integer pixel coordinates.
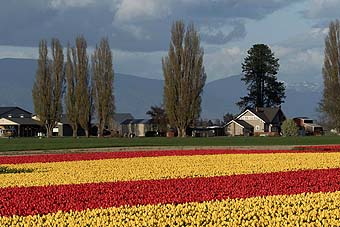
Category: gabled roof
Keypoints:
(120, 117)
(4, 110)
(267, 114)
(7, 109)
(241, 123)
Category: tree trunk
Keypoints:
(49, 131)
(179, 132)
(100, 128)
(75, 130)
(87, 134)
(184, 133)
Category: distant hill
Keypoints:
(136, 94)
(221, 95)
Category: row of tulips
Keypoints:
(44, 200)
(137, 154)
(169, 188)
(314, 209)
(164, 167)
(319, 148)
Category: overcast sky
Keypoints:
(138, 31)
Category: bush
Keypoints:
(150, 134)
(289, 128)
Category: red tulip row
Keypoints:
(134, 154)
(47, 199)
(320, 148)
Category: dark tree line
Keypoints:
(84, 93)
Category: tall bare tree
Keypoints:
(330, 103)
(70, 97)
(49, 85)
(103, 76)
(58, 79)
(184, 76)
(79, 87)
(83, 89)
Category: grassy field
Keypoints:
(19, 144)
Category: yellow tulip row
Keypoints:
(318, 209)
(146, 168)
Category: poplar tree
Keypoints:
(70, 97)
(79, 88)
(48, 87)
(83, 89)
(330, 103)
(103, 77)
(184, 77)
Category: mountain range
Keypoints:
(135, 94)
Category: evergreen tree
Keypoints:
(228, 117)
(157, 113)
(260, 68)
(184, 77)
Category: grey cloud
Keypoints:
(238, 32)
(24, 23)
(322, 9)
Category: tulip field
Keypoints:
(215, 187)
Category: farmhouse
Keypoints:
(118, 119)
(64, 127)
(137, 127)
(256, 121)
(307, 126)
(19, 121)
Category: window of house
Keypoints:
(9, 115)
(308, 121)
(257, 128)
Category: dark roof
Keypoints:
(242, 123)
(127, 121)
(4, 110)
(267, 114)
(121, 117)
(136, 121)
(24, 121)
(7, 109)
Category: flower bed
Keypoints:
(216, 187)
(319, 148)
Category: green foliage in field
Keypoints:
(289, 128)
(20, 144)
(6, 170)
